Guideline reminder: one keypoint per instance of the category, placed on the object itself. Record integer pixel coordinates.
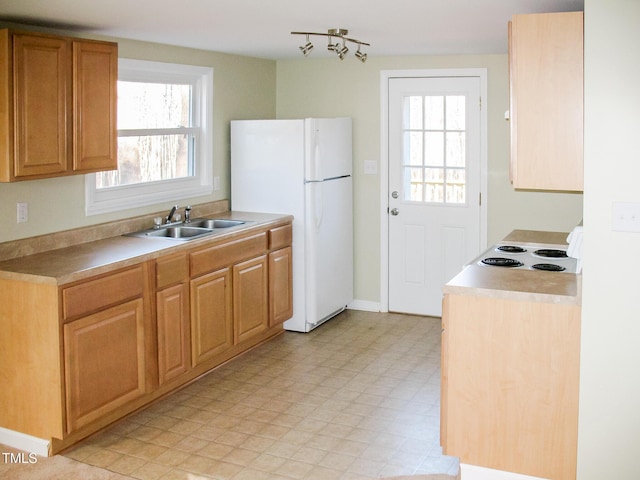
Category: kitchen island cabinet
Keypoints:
(510, 370)
(546, 101)
(100, 340)
(57, 105)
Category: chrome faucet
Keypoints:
(169, 218)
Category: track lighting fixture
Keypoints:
(307, 47)
(341, 49)
(360, 56)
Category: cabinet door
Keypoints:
(250, 298)
(280, 286)
(42, 97)
(104, 357)
(211, 319)
(95, 76)
(546, 83)
(174, 347)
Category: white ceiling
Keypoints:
(261, 28)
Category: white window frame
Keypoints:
(124, 197)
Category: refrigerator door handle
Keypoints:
(319, 204)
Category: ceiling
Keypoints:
(261, 28)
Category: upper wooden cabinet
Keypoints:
(57, 105)
(546, 101)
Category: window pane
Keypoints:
(413, 184)
(148, 159)
(413, 113)
(456, 179)
(413, 148)
(456, 149)
(456, 112)
(153, 105)
(434, 149)
(434, 113)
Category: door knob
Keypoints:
(394, 211)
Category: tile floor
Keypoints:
(356, 398)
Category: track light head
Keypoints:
(307, 47)
(361, 56)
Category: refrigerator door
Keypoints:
(267, 166)
(329, 248)
(328, 148)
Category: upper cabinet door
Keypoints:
(95, 76)
(546, 101)
(41, 98)
(58, 98)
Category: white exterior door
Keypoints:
(434, 187)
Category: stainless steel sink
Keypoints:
(215, 223)
(197, 228)
(173, 233)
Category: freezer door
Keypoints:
(329, 253)
(328, 148)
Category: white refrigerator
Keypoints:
(302, 167)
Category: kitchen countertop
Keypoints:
(70, 264)
(523, 285)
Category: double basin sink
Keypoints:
(196, 228)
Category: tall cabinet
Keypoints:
(57, 105)
(546, 101)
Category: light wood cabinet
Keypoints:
(546, 101)
(250, 298)
(103, 346)
(57, 105)
(510, 374)
(280, 286)
(211, 315)
(105, 327)
(173, 317)
(104, 358)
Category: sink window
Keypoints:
(164, 137)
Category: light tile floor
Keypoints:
(356, 398)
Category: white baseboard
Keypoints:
(473, 472)
(364, 305)
(24, 442)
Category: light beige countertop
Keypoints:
(522, 285)
(72, 263)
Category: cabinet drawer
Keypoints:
(172, 270)
(280, 237)
(96, 294)
(225, 254)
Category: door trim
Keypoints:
(385, 76)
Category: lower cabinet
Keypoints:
(105, 334)
(172, 316)
(211, 315)
(99, 348)
(174, 338)
(104, 362)
(250, 298)
(510, 383)
(280, 286)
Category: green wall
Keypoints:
(328, 87)
(243, 88)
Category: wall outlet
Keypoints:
(625, 217)
(23, 212)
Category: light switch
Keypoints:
(625, 217)
(370, 167)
